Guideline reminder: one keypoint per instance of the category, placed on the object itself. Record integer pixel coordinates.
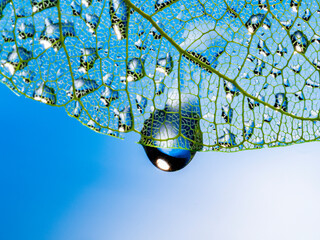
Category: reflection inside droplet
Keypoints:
(162, 164)
(169, 160)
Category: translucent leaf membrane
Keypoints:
(193, 75)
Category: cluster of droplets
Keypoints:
(222, 76)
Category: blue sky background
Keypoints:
(60, 180)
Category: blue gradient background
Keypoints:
(60, 180)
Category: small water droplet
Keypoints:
(299, 41)
(119, 18)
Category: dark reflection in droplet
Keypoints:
(172, 136)
(169, 160)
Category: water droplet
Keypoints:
(26, 31)
(108, 79)
(125, 119)
(171, 139)
(281, 50)
(93, 124)
(40, 5)
(14, 63)
(135, 69)
(161, 4)
(230, 89)
(299, 41)
(141, 103)
(45, 94)
(263, 50)
(155, 33)
(27, 76)
(281, 101)
(82, 87)
(86, 3)
(19, 12)
(248, 129)
(119, 18)
(275, 72)
(92, 21)
(87, 59)
(267, 118)
(108, 95)
(76, 8)
(312, 84)
(307, 15)
(259, 67)
(316, 63)
(286, 82)
(287, 24)
(165, 65)
(299, 95)
(228, 139)
(139, 44)
(160, 86)
(296, 68)
(262, 5)
(50, 36)
(227, 113)
(251, 58)
(255, 21)
(8, 36)
(294, 4)
(315, 39)
(77, 109)
(113, 133)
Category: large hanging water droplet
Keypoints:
(170, 138)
